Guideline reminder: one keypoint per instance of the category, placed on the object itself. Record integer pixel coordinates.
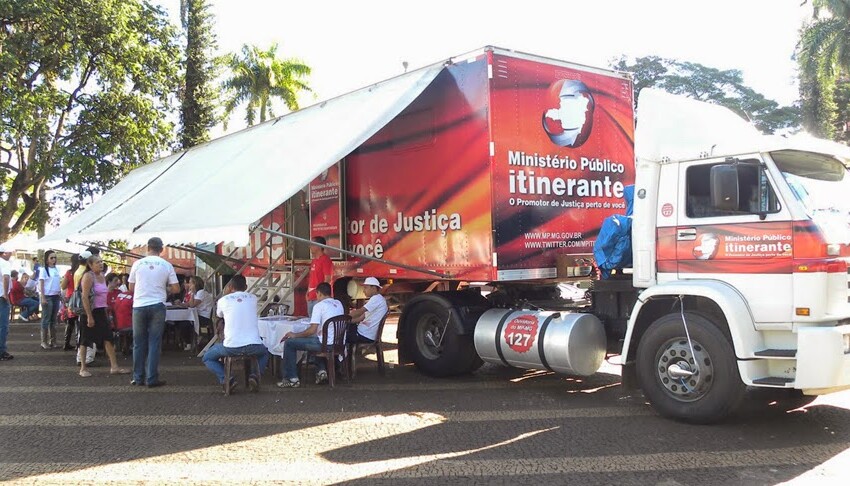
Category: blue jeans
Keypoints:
(290, 355)
(30, 307)
(5, 311)
(214, 356)
(148, 326)
(51, 309)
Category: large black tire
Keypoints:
(432, 342)
(712, 392)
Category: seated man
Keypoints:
(311, 338)
(369, 316)
(30, 286)
(28, 305)
(241, 334)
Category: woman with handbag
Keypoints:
(94, 328)
(48, 287)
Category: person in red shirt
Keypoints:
(321, 270)
(67, 285)
(113, 280)
(28, 305)
(122, 313)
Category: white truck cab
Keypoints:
(740, 242)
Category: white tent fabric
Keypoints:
(131, 184)
(213, 192)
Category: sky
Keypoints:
(350, 44)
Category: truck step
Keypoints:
(777, 353)
(773, 381)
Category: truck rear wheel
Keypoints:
(698, 386)
(433, 343)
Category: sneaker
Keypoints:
(45, 346)
(289, 383)
(253, 384)
(321, 377)
(5, 357)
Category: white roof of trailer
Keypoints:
(214, 192)
(674, 127)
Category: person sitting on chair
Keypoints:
(241, 333)
(368, 317)
(28, 305)
(311, 338)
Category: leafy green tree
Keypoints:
(704, 83)
(257, 77)
(84, 95)
(199, 96)
(823, 55)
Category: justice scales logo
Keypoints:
(569, 121)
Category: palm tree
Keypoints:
(823, 54)
(257, 77)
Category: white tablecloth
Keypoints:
(273, 328)
(184, 314)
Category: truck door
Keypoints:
(733, 227)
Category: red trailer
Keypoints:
(501, 171)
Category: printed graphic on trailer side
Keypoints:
(528, 187)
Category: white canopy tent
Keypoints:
(214, 192)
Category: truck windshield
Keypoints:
(821, 184)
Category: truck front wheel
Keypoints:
(695, 382)
(432, 341)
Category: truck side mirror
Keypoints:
(724, 187)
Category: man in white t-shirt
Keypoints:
(369, 316)
(241, 333)
(151, 278)
(311, 338)
(5, 305)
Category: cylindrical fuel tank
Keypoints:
(569, 343)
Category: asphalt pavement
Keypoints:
(497, 426)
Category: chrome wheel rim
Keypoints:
(686, 376)
(429, 334)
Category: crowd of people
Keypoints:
(134, 305)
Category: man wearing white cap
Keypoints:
(5, 306)
(369, 316)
